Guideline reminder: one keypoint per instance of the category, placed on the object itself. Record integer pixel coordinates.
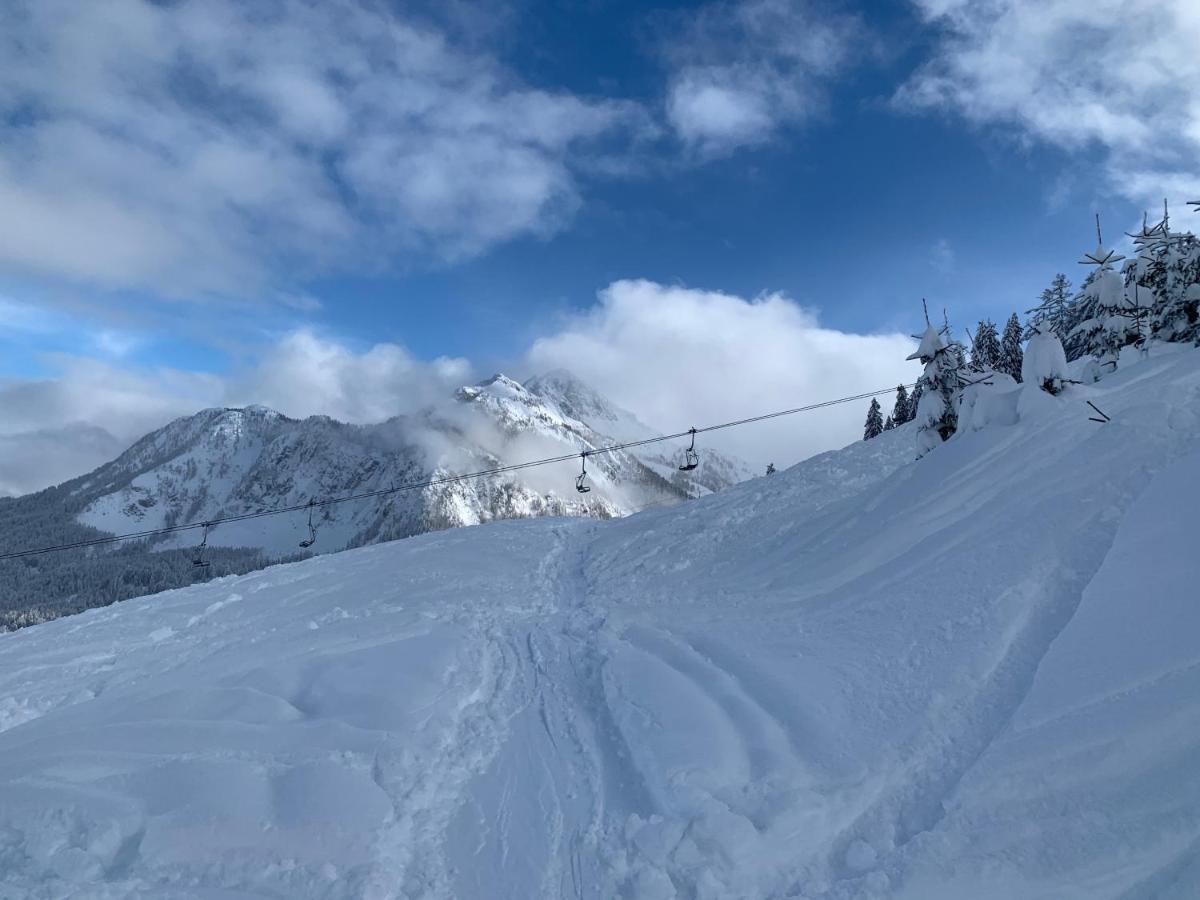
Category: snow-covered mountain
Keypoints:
(974, 675)
(228, 462)
(225, 462)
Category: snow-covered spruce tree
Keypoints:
(1172, 275)
(985, 349)
(1082, 320)
(770, 468)
(874, 426)
(1045, 363)
(914, 400)
(889, 423)
(1161, 279)
(940, 385)
(902, 409)
(1053, 308)
(1114, 313)
(1011, 354)
(1123, 317)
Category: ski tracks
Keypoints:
(589, 758)
(527, 757)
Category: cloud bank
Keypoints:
(679, 357)
(674, 356)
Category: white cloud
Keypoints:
(741, 70)
(193, 147)
(942, 256)
(113, 342)
(679, 357)
(305, 375)
(1122, 75)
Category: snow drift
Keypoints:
(970, 676)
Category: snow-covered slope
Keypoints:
(975, 675)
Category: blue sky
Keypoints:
(197, 190)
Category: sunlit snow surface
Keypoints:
(973, 676)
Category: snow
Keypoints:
(761, 693)
(931, 343)
(1045, 360)
(989, 402)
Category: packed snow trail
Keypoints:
(974, 675)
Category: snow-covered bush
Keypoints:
(1045, 362)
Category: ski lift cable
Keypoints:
(431, 482)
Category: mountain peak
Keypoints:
(500, 380)
(499, 385)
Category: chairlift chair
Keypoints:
(691, 459)
(581, 482)
(312, 530)
(198, 559)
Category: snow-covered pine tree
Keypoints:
(1011, 354)
(1045, 363)
(1082, 320)
(954, 347)
(914, 400)
(889, 423)
(770, 468)
(1114, 313)
(902, 409)
(874, 426)
(1169, 268)
(940, 385)
(985, 350)
(1053, 308)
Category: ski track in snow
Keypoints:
(754, 695)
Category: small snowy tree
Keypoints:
(940, 385)
(1011, 354)
(1083, 320)
(1045, 363)
(914, 400)
(874, 426)
(985, 350)
(902, 409)
(1054, 307)
(1120, 310)
(770, 468)
(889, 423)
